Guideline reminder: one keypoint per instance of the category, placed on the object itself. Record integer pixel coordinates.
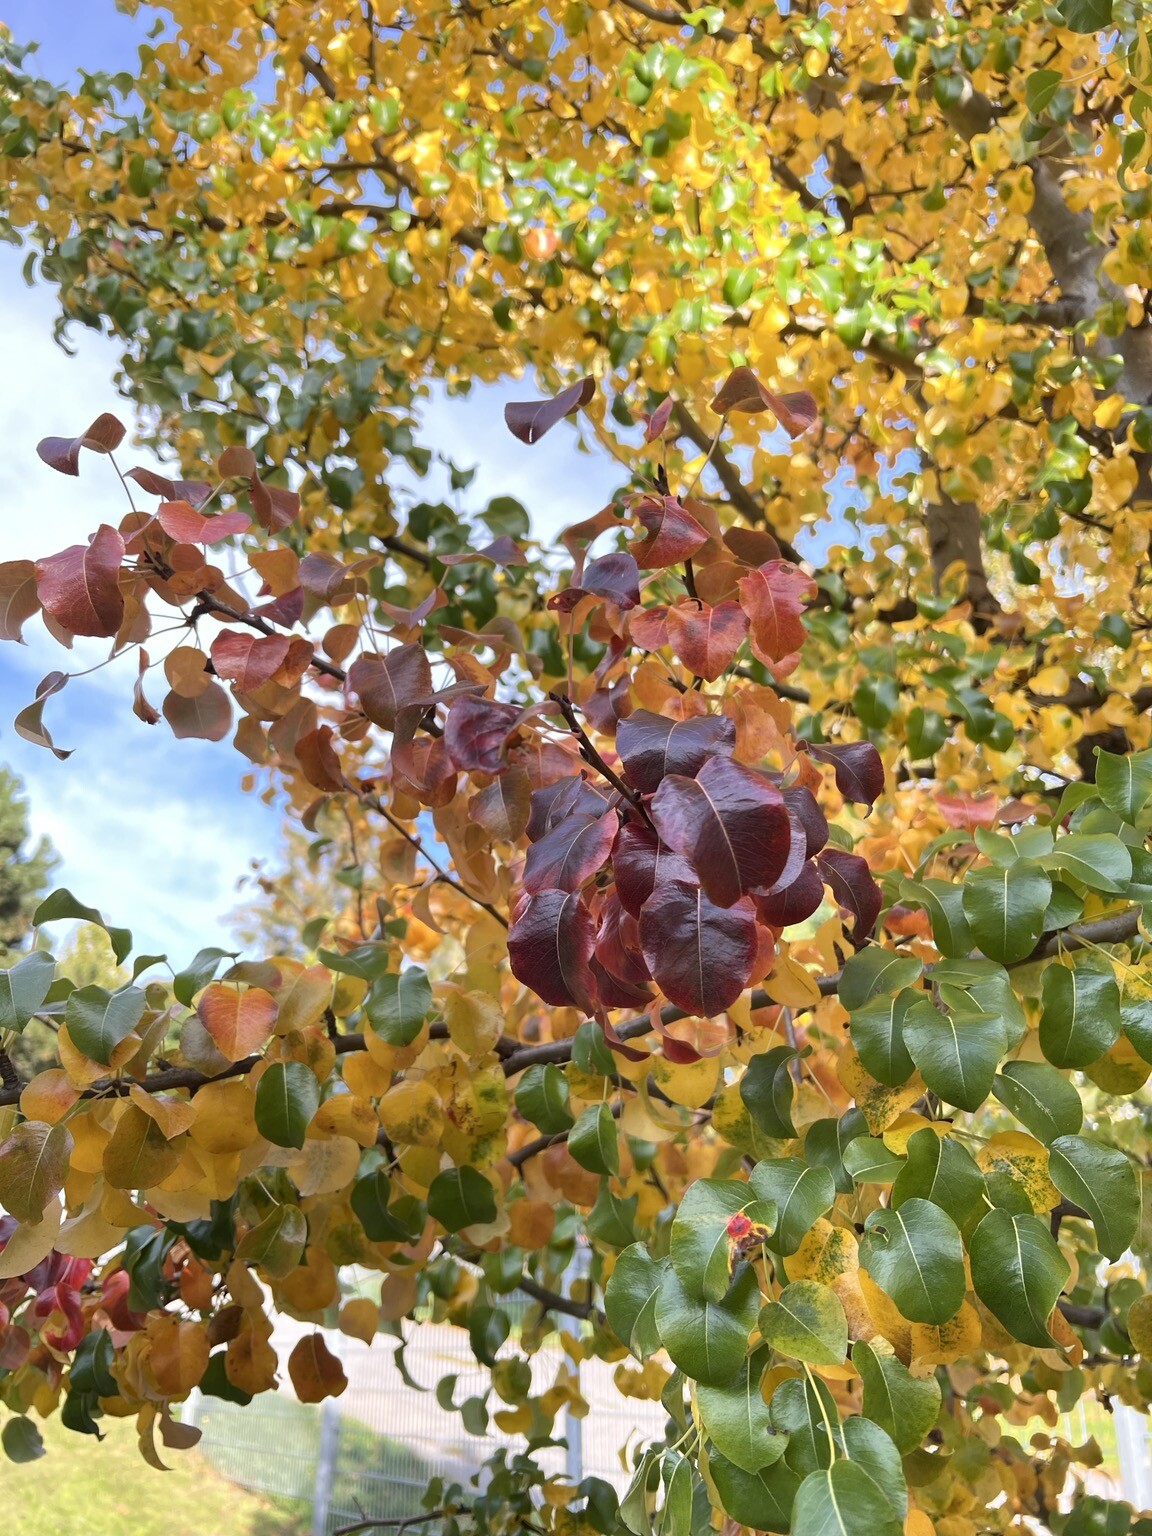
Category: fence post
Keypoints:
(579, 1269)
(1132, 1450)
(329, 1451)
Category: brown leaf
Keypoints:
(63, 453)
(529, 420)
(247, 659)
(207, 717)
(79, 586)
(18, 599)
(742, 391)
(196, 492)
(319, 760)
(387, 684)
(315, 1371)
(29, 723)
(238, 1021)
(141, 708)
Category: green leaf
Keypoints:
(807, 1322)
(737, 1420)
(1086, 16)
(916, 1257)
(287, 1096)
(461, 1197)
(905, 1406)
(1098, 860)
(1018, 1273)
(21, 1440)
(198, 974)
(1042, 1099)
(877, 1030)
(62, 904)
(371, 1204)
(98, 1020)
(700, 1248)
(542, 1096)
(981, 986)
(91, 1368)
(23, 988)
(277, 1242)
(1123, 781)
(1039, 89)
(800, 1195)
(33, 1165)
(843, 1500)
(874, 971)
(873, 1448)
(594, 1142)
(761, 1500)
(940, 1170)
(766, 1090)
(630, 1299)
(956, 1053)
(826, 1141)
(397, 1005)
(806, 1412)
(1102, 1181)
(708, 1340)
(1005, 909)
(943, 900)
(869, 1161)
(1080, 1018)
(612, 1220)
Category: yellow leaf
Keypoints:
(689, 1084)
(791, 984)
(179, 1355)
(359, 1318)
(322, 1167)
(138, 1154)
(225, 1116)
(1025, 1160)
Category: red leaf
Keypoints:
(319, 760)
(639, 860)
(79, 587)
(803, 805)
(387, 684)
(249, 660)
(858, 769)
(285, 610)
(18, 599)
(195, 492)
(618, 945)
(730, 822)
(567, 857)
(792, 903)
(651, 746)
(706, 639)
(207, 717)
(275, 506)
(614, 577)
(476, 733)
(181, 521)
(655, 423)
(649, 628)
(742, 391)
(852, 885)
(501, 551)
(700, 955)
(570, 796)
(63, 453)
(773, 598)
(968, 811)
(530, 419)
(674, 535)
(550, 946)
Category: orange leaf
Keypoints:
(238, 1021)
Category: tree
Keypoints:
(24, 870)
(774, 925)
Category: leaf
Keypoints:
(205, 717)
(843, 1500)
(800, 1194)
(62, 904)
(477, 732)
(276, 1243)
(806, 1322)
(673, 534)
(287, 1096)
(1018, 1273)
(905, 1406)
(529, 420)
(942, 1171)
(699, 954)
(1101, 861)
(385, 685)
(773, 597)
(857, 767)
(314, 1370)
(707, 1340)
(29, 723)
(1124, 782)
(98, 1020)
(701, 1244)
(33, 1166)
(705, 638)
(877, 1030)
(1101, 1180)
(742, 391)
(382, 1221)
(651, 746)
(1005, 909)
(249, 660)
(1080, 1019)
(868, 1161)
(593, 1140)
(1042, 1099)
(181, 521)
(397, 1005)
(542, 1096)
(568, 855)
(875, 971)
(766, 1091)
(916, 1257)
(194, 492)
(18, 597)
(630, 1299)
(956, 1052)
(730, 822)
(1085, 15)
(1039, 89)
(736, 1418)
(761, 1500)
(23, 988)
(461, 1197)
(21, 1440)
(63, 453)
(79, 586)
(239, 1021)
(138, 1154)
(550, 947)
(853, 887)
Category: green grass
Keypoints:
(85, 1488)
